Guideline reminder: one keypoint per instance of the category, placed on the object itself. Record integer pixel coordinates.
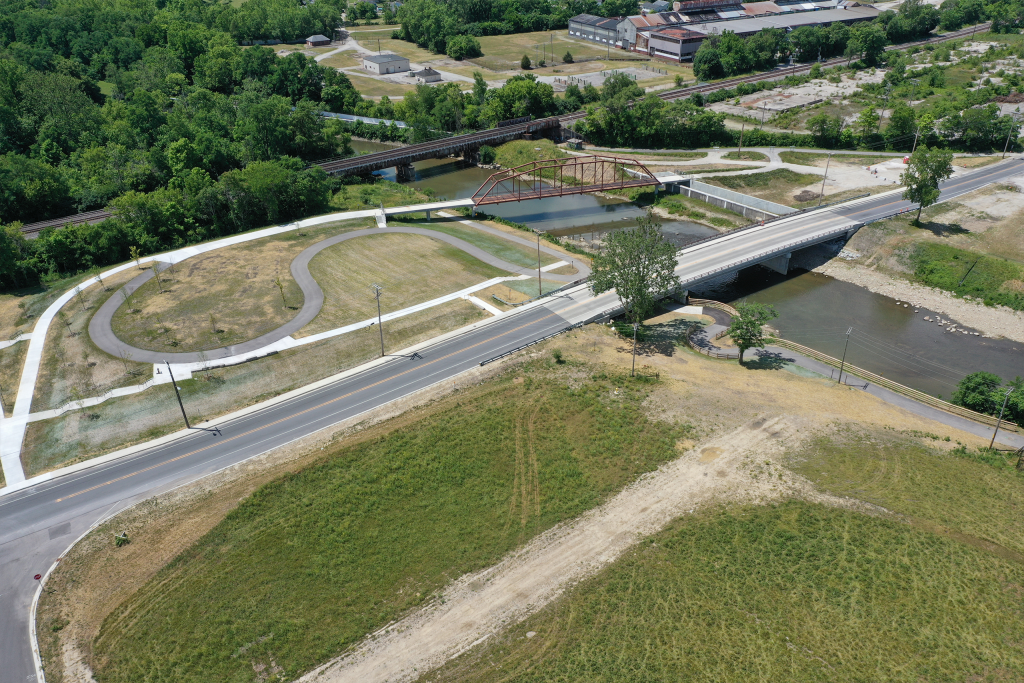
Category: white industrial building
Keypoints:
(387, 63)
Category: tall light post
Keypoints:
(632, 371)
(1000, 420)
(1013, 117)
(377, 289)
(539, 289)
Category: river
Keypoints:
(815, 310)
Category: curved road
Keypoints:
(102, 333)
(40, 522)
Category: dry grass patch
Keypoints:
(399, 47)
(72, 367)
(502, 53)
(342, 60)
(776, 185)
(222, 297)
(121, 422)
(12, 360)
(371, 87)
(974, 162)
(411, 268)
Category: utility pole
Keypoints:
(377, 289)
(1013, 116)
(843, 363)
(999, 421)
(539, 290)
(821, 195)
(915, 140)
(739, 150)
(3, 404)
(180, 404)
(764, 107)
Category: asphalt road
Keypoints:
(39, 523)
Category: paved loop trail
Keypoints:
(479, 605)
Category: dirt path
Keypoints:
(733, 467)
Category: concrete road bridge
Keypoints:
(39, 521)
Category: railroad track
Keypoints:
(386, 159)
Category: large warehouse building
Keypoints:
(679, 29)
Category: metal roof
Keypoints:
(384, 58)
(591, 20)
(317, 38)
(787, 21)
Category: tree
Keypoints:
(899, 134)
(479, 87)
(707, 63)
(639, 264)
(487, 154)
(927, 168)
(867, 121)
(868, 40)
(747, 329)
(619, 8)
(567, 57)
(978, 391)
(524, 63)
(825, 129)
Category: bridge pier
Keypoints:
(780, 263)
(471, 155)
(405, 172)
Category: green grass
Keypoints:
(312, 562)
(518, 254)
(808, 158)
(996, 281)
(802, 592)
(745, 156)
(519, 152)
(370, 195)
(763, 180)
(795, 592)
(698, 210)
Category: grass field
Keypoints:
(72, 366)
(745, 156)
(521, 255)
(802, 592)
(818, 159)
(974, 162)
(12, 359)
(371, 87)
(411, 51)
(993, 280)
(120, 422)
(411, 268)
(236, 285)
(797, 592)
(502, 53)
(697, 210)
(378, 527)
(372, 195)
(519, 152)
(343, 60)
(776, 185)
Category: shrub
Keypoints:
(460, 47)
(557, 355)
(487, 154)
(524, 63)
(567, 57)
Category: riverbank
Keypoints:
(992, 321)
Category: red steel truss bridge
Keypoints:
(560, 177)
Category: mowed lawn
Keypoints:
(411, 269)
(800, 591)
(309, 564)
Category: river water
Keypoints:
(889, 339)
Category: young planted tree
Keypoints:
(280, 288)
(927, 168)
(748, 329)
(135, 254)
(524, 63)
(639, 264)
(567, 57)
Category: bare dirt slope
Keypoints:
(477, 606)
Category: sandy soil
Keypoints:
(992, 321)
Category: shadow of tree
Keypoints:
(765, 360)
(943, 229)
(661, 339)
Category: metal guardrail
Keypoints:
(594, 318)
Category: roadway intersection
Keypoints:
(37, 524)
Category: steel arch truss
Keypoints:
(560, 177)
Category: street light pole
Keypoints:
(821, 195)
(1008, 134)
(377, 289)
(999, 421)
(843, 363)
(632, 371)
(180, 404)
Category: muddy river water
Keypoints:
(889, 339)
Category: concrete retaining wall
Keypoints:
(750, 207)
